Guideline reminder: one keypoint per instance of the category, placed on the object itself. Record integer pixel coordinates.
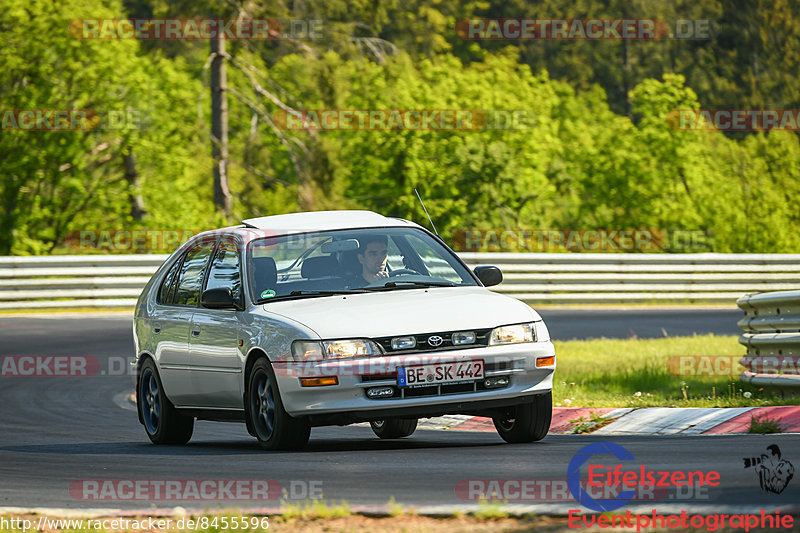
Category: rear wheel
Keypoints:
(162, 422)
(527, 422)
(394, 428)
(272, 425)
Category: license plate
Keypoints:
(439, 373)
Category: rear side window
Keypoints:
(191, 274)
(166, 293)
(225, 269)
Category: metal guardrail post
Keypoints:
(771, 334)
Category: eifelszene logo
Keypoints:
(574, 476)
(614, 479)
(774, 472)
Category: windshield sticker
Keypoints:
(269, 293)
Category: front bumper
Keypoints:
(348, 400)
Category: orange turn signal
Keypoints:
(546, 361)
(319, 382)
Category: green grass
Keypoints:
(490, 510)
(635, 373)
(764, 425)
(584, 425)
(315, 510)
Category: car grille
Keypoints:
(401, 393)
(433, 390)
(423, 344)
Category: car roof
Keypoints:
(324, 221)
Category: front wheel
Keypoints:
(162, 422)
(272, 425)
(526, 422)
(394, 428)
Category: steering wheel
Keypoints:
(401, 271)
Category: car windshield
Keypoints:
(350, 261)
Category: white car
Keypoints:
(333, 318)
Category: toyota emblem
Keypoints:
(435, 340)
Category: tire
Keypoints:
(272, 425)
(394, 428)
(526, 422)
(162, 422)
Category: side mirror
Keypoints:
(219, 298)
(489, 275)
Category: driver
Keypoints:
(372, 254)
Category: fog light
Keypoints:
(319, 382)
(495, 383)
(403, 343)
(380, 392)
(463, 337)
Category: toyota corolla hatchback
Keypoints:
(333, 318)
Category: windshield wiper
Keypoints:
(326, 293)
(413, 284)
(295, 295)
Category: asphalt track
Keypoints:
(56, 431)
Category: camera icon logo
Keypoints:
(774, 472)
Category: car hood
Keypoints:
(406, 311)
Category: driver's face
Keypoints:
(373, 259)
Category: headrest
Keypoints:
(320, 267)
(350, 262)
(265, 273)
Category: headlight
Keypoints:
(512, 334)
(315, 350)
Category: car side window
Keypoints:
(225, 269)
(166, 293)
(191, 274)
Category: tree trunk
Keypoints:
(8, 219)
(132, 177)
(219, 127)
(626, 78)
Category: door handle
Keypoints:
(195, 333)
(156, 328)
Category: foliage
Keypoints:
(596, 148)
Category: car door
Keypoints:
(171, 322)
(215, 356)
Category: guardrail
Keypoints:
(772, 336)
(628, 278)
(536, 278)
(40, 282)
